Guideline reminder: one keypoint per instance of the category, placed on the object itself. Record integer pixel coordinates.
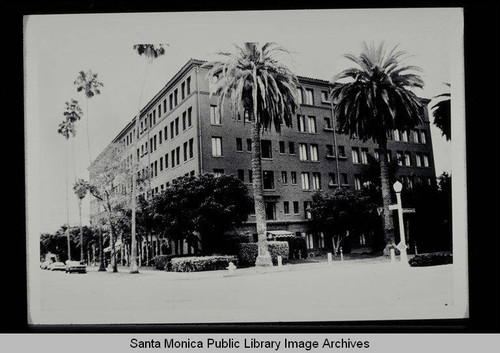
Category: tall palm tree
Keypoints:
(151, 52)
(376, 99)
(442, 113)
(88, 83)
(73, 113)
(66, 129)
(80, 188)
(256, 81)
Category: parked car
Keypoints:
(56, 266)
(75, 266)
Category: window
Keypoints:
(313, 149)
(296, 207)
(183, 90)
(399, 156)
(389, 156)
(328, 123)
(426, 160)
(300, 95)
(404, 136)
(284, 177)
(270, 210)
(302, 151)
(301, 123)
(171, 101)
(293, 177)
(268, 179)
(408, 159)
(165, 130)
(188, 85)
(247, 116)
(249, 145)
(161, 164)
(418, 159)
(154, 142)
(286, 207)
(175, 97)
(333, 179)
(191, 149)
(291, 147)
(190, 120)
(324, 96)
(341, 152)
(357, 182)
(178, 155)
(185, 150)
(282, 146)
(218, 172)
(309, 96)
(397, 136)
(184, 122)
(364, 155)
(376, 154)
(154, 118)
(241, 174)
(343, 177)
(305, 181)
(172, 131)
(214, 116)
(239, 145)
(311, 124)
(177, 126)
(250, 176)
(166, 161)
(423, 137)
(160, 135)
(156, 168)
(355, 155)
(316, 178)
(416, 136)
(266, 149)
(151, 145)
(307, 209)
(329, 151)
(216, 146)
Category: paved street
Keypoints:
(350, 290)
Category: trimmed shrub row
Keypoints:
(162, 262)
(297, 247)
(431, 259)
(201, 263)
(248, 253)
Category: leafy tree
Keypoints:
(441, 111)
(88, 83)
(150, 52)
(255, 81)
(376, 99)
(204, 205)
(341, 212)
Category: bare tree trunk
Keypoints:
(102, 267)
(111, 236)
(386, 198)
(263, 258)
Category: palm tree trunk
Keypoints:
(88, 134)
(81, 228)
(67, 209)
(386, 198)
(263, 258)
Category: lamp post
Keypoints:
(397, 186)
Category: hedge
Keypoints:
(201, 263)
(431, 259)
(162, 262)
(248, 253)
(297, 246)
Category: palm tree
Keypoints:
(88, 83)
(255, 81)
(66, 129)
(442, 113)
(376, 99)
(151, 52)
(80, 188)
(73, 113)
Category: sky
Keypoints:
(58, 47)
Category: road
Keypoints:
(350, 290)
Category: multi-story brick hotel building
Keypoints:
(180, 134)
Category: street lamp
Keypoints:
(398, 187)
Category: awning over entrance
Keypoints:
(280, 233)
